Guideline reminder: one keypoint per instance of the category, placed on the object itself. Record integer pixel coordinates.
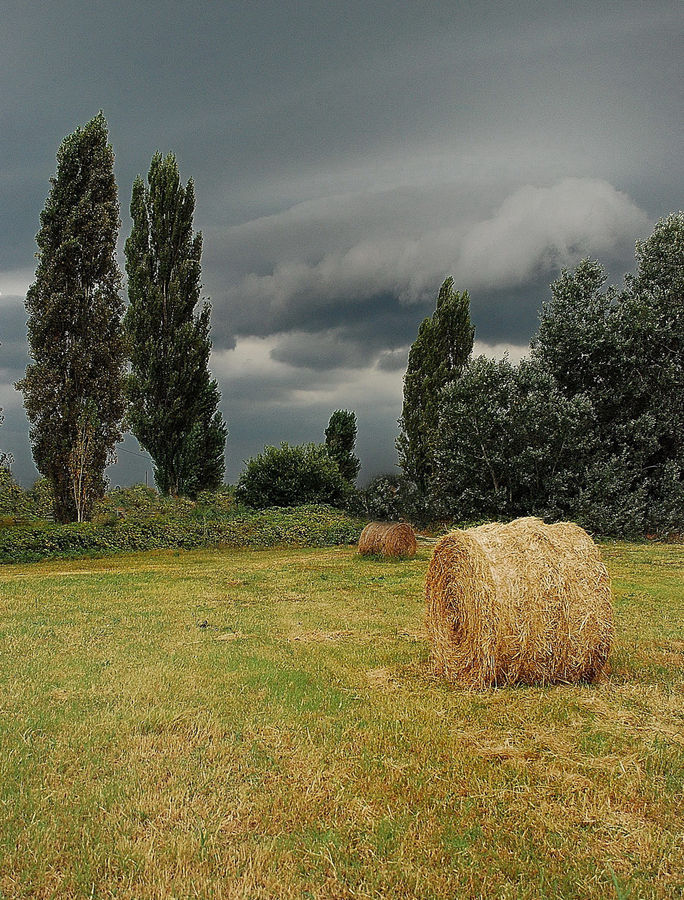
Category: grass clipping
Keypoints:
(387, 539)
(523, 603)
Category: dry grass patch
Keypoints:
(302, 748)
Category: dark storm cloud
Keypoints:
(347, 158)
(357, 336)
(335, 278)
(13, 346)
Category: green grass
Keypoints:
(265, 725)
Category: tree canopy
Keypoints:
(73, 389)
(340, 439)
(436, 358)
(173, 398)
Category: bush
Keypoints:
(293, 475)
(306, 526)
(139, 503)
(388, 497)
(218, 504)
(11, 494)
(16, 503)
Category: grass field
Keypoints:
(265, 725)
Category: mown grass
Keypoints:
(265, 725)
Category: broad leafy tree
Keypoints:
(442, 348)
(340, 439)
(509, 443)
(625, 351)
(74, 388)
(173, 398)
(293, 475)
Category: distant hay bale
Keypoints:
(523, 603)
(399, 540)
(387, 539)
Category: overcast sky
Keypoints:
(347, 158)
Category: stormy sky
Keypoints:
(346, 159)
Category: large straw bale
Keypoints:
(522, 603)
(387, 539)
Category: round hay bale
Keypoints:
(394, 539)
(523, 603)
(369, 541)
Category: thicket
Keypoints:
(18, 505)
(291, 475)
(588, 428)
(305, 526)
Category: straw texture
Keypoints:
(522, 603)
(387, 539)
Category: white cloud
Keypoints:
(515, 352)
(316, 256)
(13, 284)
(545, 228)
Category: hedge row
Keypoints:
(304, 526)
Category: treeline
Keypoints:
(96, 371)
(590, 427)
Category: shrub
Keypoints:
(41, 499)
(16, 503)
(218, 505)
(293, 475)
(306, 526)
(139, 503)
(12, 497)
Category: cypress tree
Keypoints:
(436, 358)
(74, 388)
(173, 399)
(340, 438)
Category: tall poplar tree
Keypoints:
(73, 389)
(173, 399)
(436, 358)
(340, 438)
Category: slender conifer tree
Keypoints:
(74, 388)
(436, 358)
(340, 438)
(173, 399)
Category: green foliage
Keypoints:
(291, 475)
(625, 352)
(74, 325)
(588, 428)
(340, 438)
(41, 498)
(436, 358)
(18, 505)
(140, 503)
(382, 498)
(306, 526)
(391, 497)
(510, 443)
(11, 494)
(173, 399)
